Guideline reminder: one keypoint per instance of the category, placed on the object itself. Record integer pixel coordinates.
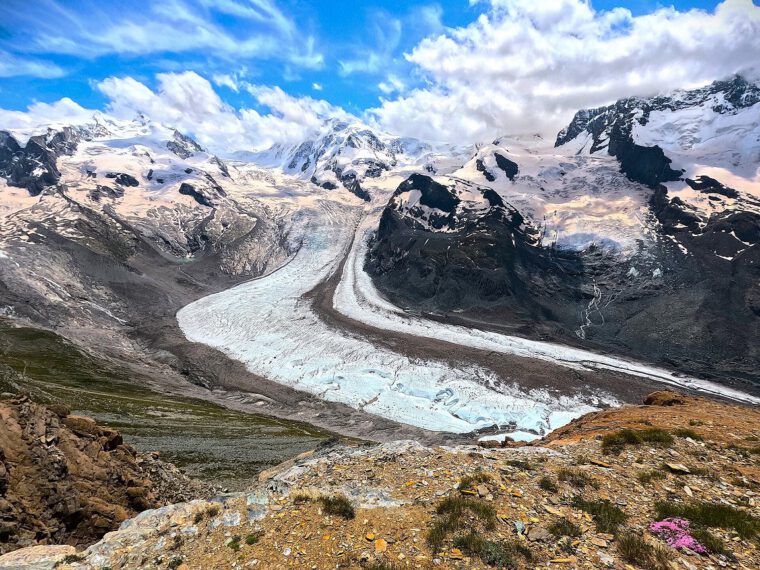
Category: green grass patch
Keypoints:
(690, 433)
(577, 478)
(337, 505)
(637, 551)
(520, 464)
(469, 482)
(499, 553)
(711, 515)
(564, 527)
(452, 516)
(615, 442)
(607, 517)
(712, 543)
(646, 477)
(548, 484)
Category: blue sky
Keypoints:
(392, 61)
(342, 31)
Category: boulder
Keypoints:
(664, 398)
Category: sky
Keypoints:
(244, 74)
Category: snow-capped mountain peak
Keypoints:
(343, 153)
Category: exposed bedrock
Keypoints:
(487, 272)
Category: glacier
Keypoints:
(270, 326)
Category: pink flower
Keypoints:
(675, 532)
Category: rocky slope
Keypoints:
(644, 222)
(594, 495)
(66, 480)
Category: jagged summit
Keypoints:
(344, 153)
(726, 97)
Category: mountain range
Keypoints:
(635, 234)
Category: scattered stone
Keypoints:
(539, 534)
(679, 468)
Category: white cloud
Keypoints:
(290, 119)
(88, 29)
(316, 86)
(39, 116)
(391, 84)
(226, 80)
(526, 66)
(12, 66)
(189, 103)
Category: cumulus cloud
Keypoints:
(526, 66)
(39, 116)
(189, 103)
(289, 119)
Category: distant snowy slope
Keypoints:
(699, 150)
(346, 154)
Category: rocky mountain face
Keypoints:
(452, 243)
(670, 484)
(108, 223)
(666, 265)
(346, 154)
(33, 166)
(66, 480)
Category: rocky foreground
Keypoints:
(671, 484)
(66, 480)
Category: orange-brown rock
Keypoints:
(664, 398)
(66, 480)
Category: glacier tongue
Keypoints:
(267, 325)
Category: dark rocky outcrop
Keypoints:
(709, 185)
(123, 179)
(33, 166)
(509, 167)
(483, 259)
(183, 146)
(327, 185)
(351, 183)
(105, 192)
(189, 190)
(481, 166)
